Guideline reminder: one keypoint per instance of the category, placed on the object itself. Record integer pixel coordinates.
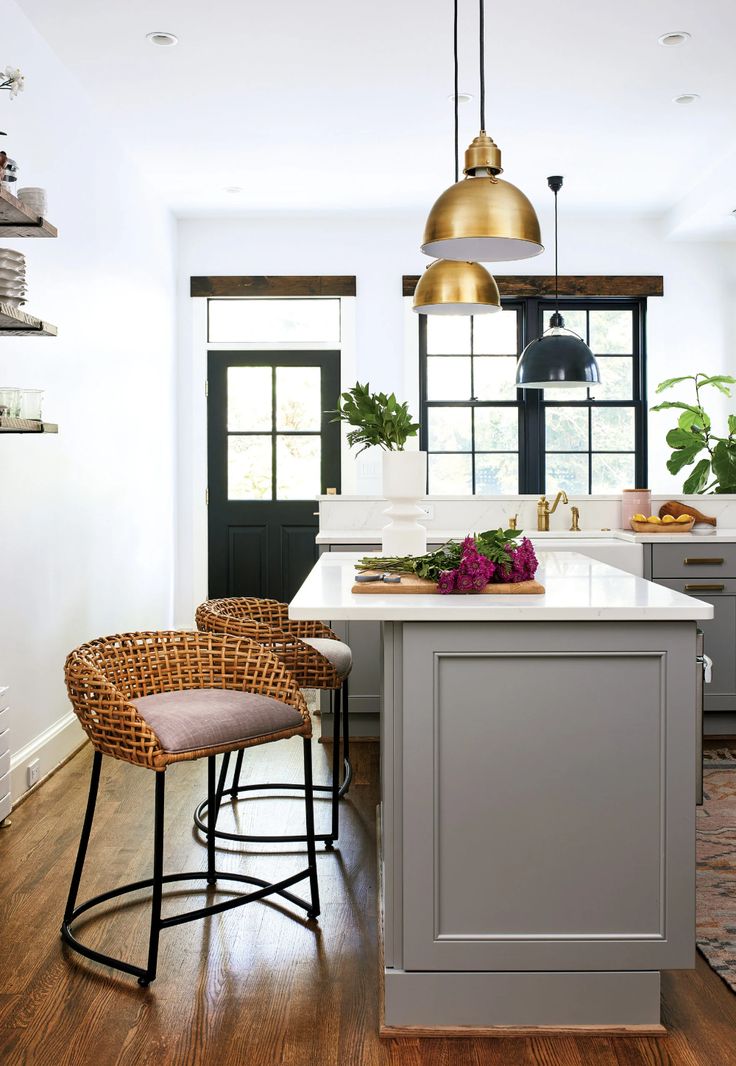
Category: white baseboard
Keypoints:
(51, 747)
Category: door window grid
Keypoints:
(267, 465)
(604, 458)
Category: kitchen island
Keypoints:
(537, 796)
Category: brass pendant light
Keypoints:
(482, 218)
(449, 286)
(559, 358)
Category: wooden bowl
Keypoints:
(662, 527)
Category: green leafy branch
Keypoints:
(379, 419)
(495, 544)
(716, 471)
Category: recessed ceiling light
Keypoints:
(233, 188)
(671, 40)
(165, 40)
(686, 98)
(462, 98)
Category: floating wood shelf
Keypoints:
(17, 221)
(14, 322)
(26, 425)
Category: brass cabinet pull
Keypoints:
(693, 561)
(705, 588)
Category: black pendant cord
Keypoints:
(457, 117)
(557, 283)
(482, 64)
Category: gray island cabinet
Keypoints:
(537, 797)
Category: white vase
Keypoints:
(404, 484)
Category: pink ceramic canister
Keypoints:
(635, 501)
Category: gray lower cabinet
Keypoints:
(708, 572)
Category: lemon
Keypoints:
(684, 518)
(654, 518)
(639, 518)
(668, 518)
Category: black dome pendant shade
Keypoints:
(559, 358)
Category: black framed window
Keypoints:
(484, 436)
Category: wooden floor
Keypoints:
(252, 987)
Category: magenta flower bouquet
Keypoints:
(493, 557)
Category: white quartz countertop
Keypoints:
(439, 536)
(577, 589)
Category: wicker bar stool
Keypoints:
(316, 659)
(152, 699)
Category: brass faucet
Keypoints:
(575, 515)
(514, 521)
(544, 510)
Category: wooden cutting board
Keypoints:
(410, 585)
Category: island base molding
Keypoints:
(513, 1003)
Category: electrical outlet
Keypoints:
(34, 772)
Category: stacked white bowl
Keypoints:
(12, 277)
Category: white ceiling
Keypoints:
(343, 105)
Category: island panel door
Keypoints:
(272, 449)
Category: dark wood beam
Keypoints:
(274, 285)
(570, 284)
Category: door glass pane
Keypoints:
(568, 472)
(574, 320)
(450, 474)
(448, 334)
(274, 321)
(494, 377)
(449, 429)
(298, 398)
(496, 429)
(298, 468)
(617, 378)
(496, 474)
(448, 378)
(249, 398)
(612, 473)
(495, 334)
(613, 429)
(612, 332)
(249, 468)
(566, 429)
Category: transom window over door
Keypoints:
(485, 436)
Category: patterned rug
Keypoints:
(716, 870)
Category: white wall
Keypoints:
(86, 538)
(690, 328)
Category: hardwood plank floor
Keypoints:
(253, 987)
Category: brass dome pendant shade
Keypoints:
(482, 218)
(448, 287)
(559, 358)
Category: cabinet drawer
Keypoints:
(704, 559)
(4, 806)
(720, 637)
(4, 718)
(4, 754)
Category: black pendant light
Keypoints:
(559, 358)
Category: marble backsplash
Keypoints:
(453, 513)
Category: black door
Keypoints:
(271, 450)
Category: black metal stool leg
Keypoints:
(347, 765)
(309, 811)
(336, 716)
(157, 881)
(221, 783)
(89, 814)
(214, 795)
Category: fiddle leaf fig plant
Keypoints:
(693, 434)
(378, 419)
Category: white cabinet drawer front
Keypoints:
(4, 761)
(4, 718)
(4, 806)
(704, 559)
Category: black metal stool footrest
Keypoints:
(266, 888)
(200, 814)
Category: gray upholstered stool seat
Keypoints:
(337, 654)
(190, 719)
